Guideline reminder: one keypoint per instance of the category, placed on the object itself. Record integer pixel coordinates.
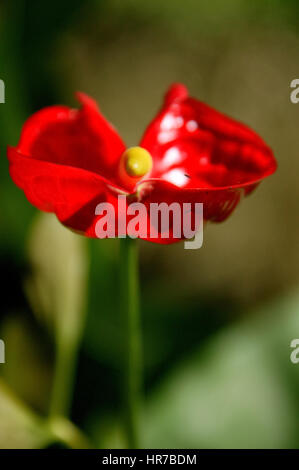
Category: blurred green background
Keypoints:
(217, 322)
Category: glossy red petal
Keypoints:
(71, 193)
(197, 147)
(79, 138)
(201, 155)
(218, 204)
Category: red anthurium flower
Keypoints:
(68, 161)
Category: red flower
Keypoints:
(68, 161)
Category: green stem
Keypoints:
(129, 295)
(63, 381)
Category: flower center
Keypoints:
(135, 163)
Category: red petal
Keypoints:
(71, 193)
(79, 138)
(201, 155)
(218, 204)
(195, 146)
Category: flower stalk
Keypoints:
(129, 297)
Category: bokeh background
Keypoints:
(217, 322)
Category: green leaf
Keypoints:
(25, 344)
(239, 392)
(57, 285)
(19, 427)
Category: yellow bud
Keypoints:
(137, 162)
